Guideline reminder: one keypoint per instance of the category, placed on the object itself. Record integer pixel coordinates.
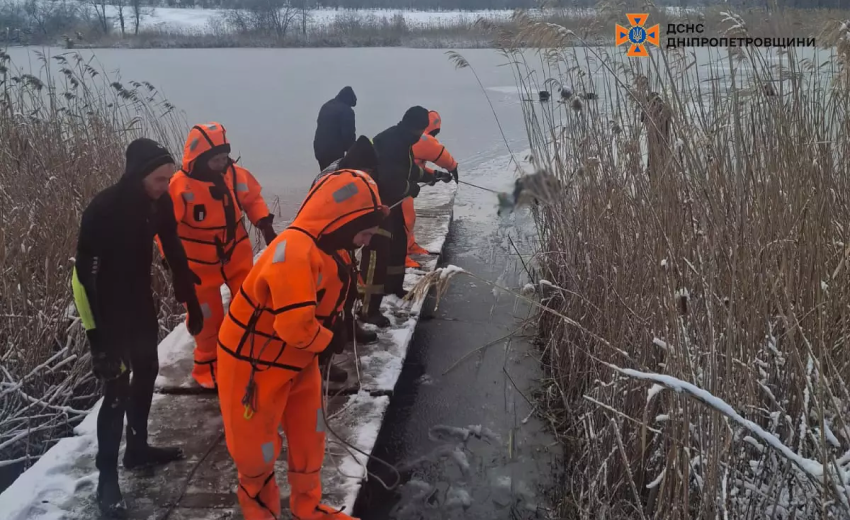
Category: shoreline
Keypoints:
(414, 29)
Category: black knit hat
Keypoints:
(361, 156)
(416, 118)
(143, 157)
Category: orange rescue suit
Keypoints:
(210, 213)
(428, 149)
(279, 321)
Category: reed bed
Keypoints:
(63, 133)
(694, 256)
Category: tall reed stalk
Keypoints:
(63, 132)
(698, 239)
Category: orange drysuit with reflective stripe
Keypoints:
(281, 318)
(428, 149)
(209, 210)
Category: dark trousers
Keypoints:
(133, 397)
(325, 159)
(382, 262)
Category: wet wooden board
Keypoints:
(203, 485)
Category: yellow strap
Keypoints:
(384, 233)
(81, 300)
(248, 413)
(370, 278)
(370, 289)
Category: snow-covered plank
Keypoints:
(62, 485)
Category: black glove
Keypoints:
(266, 227)
(454, 174)
(444, 176)
(184, 287)
(106, 365)
(430, 178)
(414, 190)
(195, 318)
(269, 234)
(337, 344)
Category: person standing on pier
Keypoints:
(335, 129)
(112, 291)
(283, 324)
(427, 149)
(397, 176)
(211, 195)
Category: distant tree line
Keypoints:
(42, 20)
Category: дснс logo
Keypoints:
(637, 35)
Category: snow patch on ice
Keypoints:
(457, 497)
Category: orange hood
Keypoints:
(434, 121)
(339, 199)
(207, 137)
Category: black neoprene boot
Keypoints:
(363, 336)
(139, 454)
(377, 319)
(109, 498)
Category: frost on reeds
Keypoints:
(700, 245)
(63, 131)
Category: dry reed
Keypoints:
(696, 239)
(63, 132)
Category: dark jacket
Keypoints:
(335, 131)
(113, 262)
(396, 167)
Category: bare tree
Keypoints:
(120, 5)
(37, 14)
(304, 9)
(100, 12)
(138, 12)
(271, 16)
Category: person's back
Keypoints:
(397, 172)
(397, 177)
(335, 128)
(125, 235)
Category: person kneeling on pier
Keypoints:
(282, 324)
(112, 291)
